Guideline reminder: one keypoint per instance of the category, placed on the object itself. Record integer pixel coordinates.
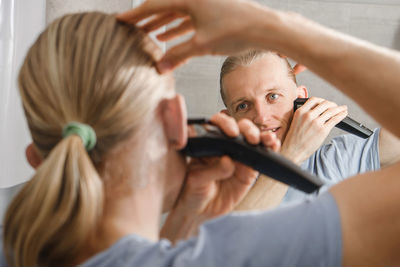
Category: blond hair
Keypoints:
(246, 59)
(91, 69)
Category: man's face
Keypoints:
(264, 93)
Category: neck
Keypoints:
(138, 212)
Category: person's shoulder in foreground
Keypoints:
(309, 236)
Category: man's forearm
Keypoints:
(180, 225)
(265, 194)
(268, 193)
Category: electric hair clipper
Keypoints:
(347, 124)
(210, 141)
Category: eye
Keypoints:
(241, 106)
(272, 97)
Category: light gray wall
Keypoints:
(57, 8)
(377, 21)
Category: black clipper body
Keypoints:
(210, 141)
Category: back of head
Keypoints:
(86, 68)
(246, 59)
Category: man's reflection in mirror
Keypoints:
(261, 86)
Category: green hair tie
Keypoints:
(84, 131)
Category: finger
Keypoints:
(146, 10)
(177, 56)
(217, 170)
(191, 131)
(310, 104)
(250, 132)
(329, 113)
(200, 163)
(321, 108)
(152, 48)
(336, 119)
(135, 15)
(160, 20)
(271, 141)
(299, 68)
(226, 123)
(185, 27)
(244, 174)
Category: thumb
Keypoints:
(220, 169)
(299, 69)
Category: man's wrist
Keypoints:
(262, 21)
(291, 154)
(285, 32)
(271, 29)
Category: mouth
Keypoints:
(271, 130)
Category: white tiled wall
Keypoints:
(56, 8)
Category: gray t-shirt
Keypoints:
(343, 157)
(307, 234)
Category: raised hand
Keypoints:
(214, 186)
(311, 124)
(212, 33)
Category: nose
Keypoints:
(261, 113)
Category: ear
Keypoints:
(33, 157)
(302, 92)
(225, 111)
(174, 118)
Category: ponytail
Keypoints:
(54, 214)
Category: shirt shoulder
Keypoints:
(308, 234)
(345, 156)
